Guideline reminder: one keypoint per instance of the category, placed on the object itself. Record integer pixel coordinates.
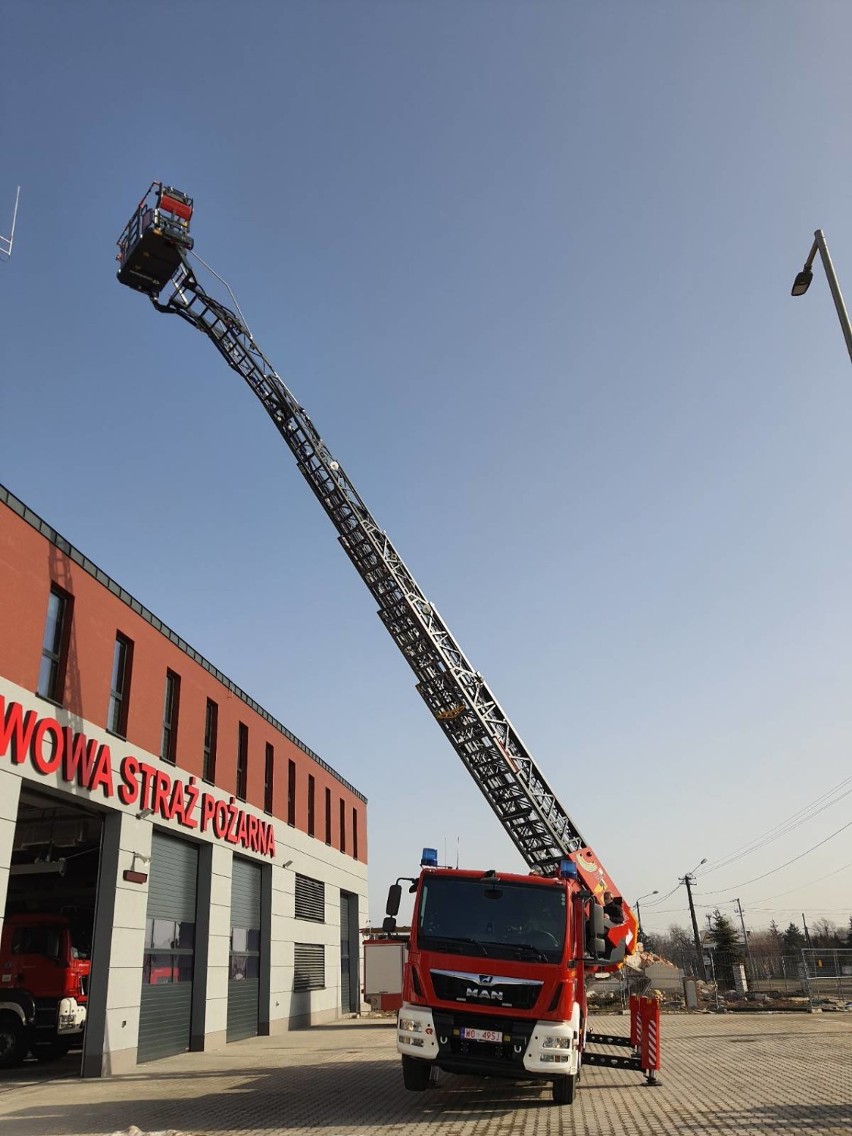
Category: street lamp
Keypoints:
(688, 880)
(804, 278)
(639, 913)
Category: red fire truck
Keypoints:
(43, 988)
(495, 981)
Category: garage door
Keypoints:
(244, 976)
(165, 1012)
(349, 943)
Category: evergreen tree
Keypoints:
(793, 940)
(727, 948)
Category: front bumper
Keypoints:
(527, 1047)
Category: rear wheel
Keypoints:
(565, 1088)
(415, 1074)
(13, 1046)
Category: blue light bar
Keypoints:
(429, 859)
(567, 870)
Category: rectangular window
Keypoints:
(309, 972)
(120, 686)
(268, 778)
(310, 899)
(171, 706)
(54, 651)
(312, 794)
(211, 739)
(355, 833)
(291, 792)
(328, 816)
(342, 825)
(169, 949)
(242, 762)
(244, 954)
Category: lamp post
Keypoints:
(688, 879)
(804, 278)
(639, 913)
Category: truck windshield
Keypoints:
(461, 915)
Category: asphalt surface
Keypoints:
(722, 1074)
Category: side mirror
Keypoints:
(394, 899)
(595, 932)
(389, 924)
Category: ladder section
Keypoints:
(456, 694)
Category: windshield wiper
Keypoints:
(536, 952)
(454, 940)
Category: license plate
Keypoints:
(481, 1035)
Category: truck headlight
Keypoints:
(556, 1042)
(411, 1025)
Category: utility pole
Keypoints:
(745, 933)
(689, 879)
(807, 932)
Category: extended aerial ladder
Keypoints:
(153, 253)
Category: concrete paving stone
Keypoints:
(722, 1075)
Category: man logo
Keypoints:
(477, 994)
(484, 979)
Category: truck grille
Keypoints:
(485, 990)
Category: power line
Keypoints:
(786, 864)
(808, 812)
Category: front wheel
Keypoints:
(13, 1044)
(565, 1088)
(415, 1074)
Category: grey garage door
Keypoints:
(349, 946)
(164, 1016)
(244, 977)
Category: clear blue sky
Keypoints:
(527, 265)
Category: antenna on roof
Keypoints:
(6, 242)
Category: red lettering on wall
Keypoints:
(79, 757)
(102, 775)
(47, 762)
(128, 790)
(16, 728)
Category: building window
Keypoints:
(54, 651)
(120, 686)
(328, 816)
(211, 738)
(291, 792)
(312, 795)
(269, 778)
(171, 706)
(309, 970)
(244, 953)
(342, 825)
(242, 762)
(355, 833)
(310, 899)
(169, 948)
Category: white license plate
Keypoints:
(481, 1035)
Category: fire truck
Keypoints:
(526, 1010)
(43, 988)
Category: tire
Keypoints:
(13, 1043)
(415, 1074)
(51, 1050)
(565, 1089)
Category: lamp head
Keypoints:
(802, 282)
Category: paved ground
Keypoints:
(734, 1075)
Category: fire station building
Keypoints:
(209, 864)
